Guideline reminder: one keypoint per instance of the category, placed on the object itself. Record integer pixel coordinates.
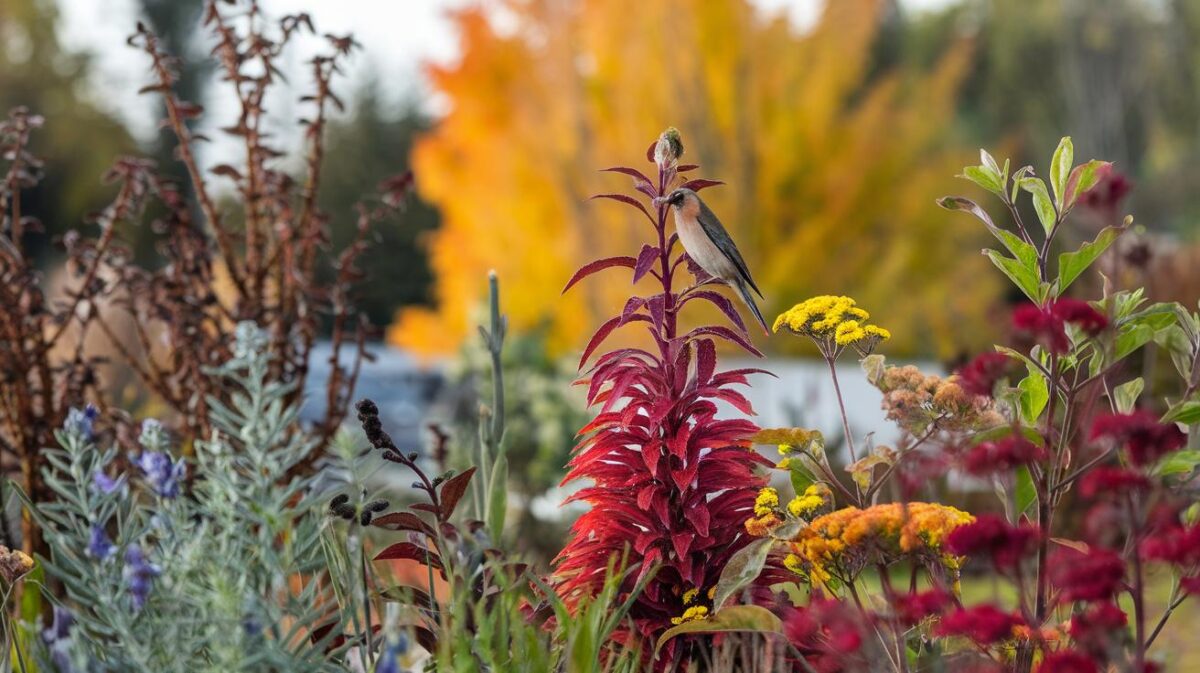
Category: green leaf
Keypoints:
(1060, 168)
(1175, 340)
(1025, 492)
(1024, 252)
(873, 366)
(1083, 178)
(735, 618)
(1072, 264)
(1186, 412)
(498, 497)
(1018, 273)
(800, 475)
(1130, 338)
(1016, 181)
(1125, 395)
(986, 159)
(1041, 202)
(741, 569)
(1180, 462)
(1034, 396)
(985, 177)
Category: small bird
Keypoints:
(709, 246)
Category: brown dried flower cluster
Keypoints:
(920, 402)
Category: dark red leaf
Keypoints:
(412, 552)
(403, 521)
(640, 181)
(700, 183)
(453, 490)
(650, 151)
(645, 260)
(723, 333)
(600, 335)
(706, 360)
(631, 307)
(684, 168)
(599, 265)
(720, 301)
(628, 200)
(426, 638)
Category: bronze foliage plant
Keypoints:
(235, 243)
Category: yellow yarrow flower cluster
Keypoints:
(833, 322)
(693, 612)
(814, 498)
(844, 541)
(766, 502)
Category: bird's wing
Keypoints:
(716, 233)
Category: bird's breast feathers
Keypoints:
(699, 246)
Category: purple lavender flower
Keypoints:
(58, 640)
(102, 483)
(139, 575)
(99, 546)
(161, 473)
(82, 423)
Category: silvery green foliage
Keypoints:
(220, 576)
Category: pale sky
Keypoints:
(397, 36)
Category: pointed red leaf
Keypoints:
(628, 200)
(720, 301)
(645, 260)
(723, 333)
(600, 335)
(403, 521)
(599, 265)
(682, 542)
(453, 490)
(412, 552)
(700, 183)
(706, 360)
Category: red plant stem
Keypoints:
(1138, 590)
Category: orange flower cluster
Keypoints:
(841, 543)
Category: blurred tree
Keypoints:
(37, 73)
(832, 161)
(361, 151)
(1120, 76)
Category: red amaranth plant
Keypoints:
(673, 483)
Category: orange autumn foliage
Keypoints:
(831, 170)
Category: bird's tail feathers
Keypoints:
(748, 298)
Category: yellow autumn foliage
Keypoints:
(831, 171)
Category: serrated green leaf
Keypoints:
(1017, 272)
(1060, 168)
(1072, 264)
(1041, 202)
(1125, 395)
(741, 569)
(1034, 397)
(735, 618)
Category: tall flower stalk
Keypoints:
(672, 482)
